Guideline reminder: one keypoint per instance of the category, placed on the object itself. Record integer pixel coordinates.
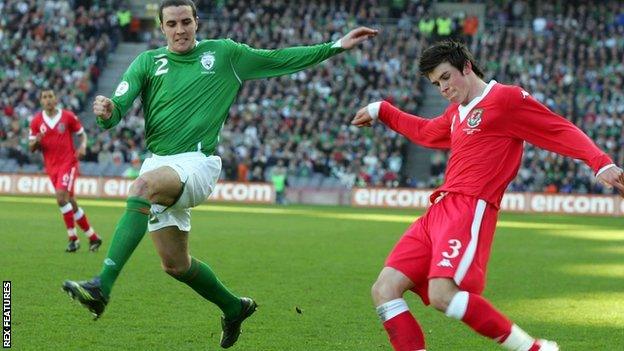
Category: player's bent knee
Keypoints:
(383, 291)
(140, 188)
(441, 294)
(439, 302)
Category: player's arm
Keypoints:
(34, 138)
(76, 127)
(34, 142)
(249, 63)
(531, 121)
(109, 112)
(82, 147)
(433, 133)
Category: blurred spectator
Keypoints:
(132, 172)
(278, 178)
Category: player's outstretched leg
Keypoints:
(203, 280)
(482, 317)
(88, 293)
(403, 330)
(130, 230)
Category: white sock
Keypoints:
(518, 340)
(391, 309)
(72, 233)
(458, 305)
(66, 208)
(78, 214)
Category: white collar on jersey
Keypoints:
(196, 42)
(464, 110)
(52, 121)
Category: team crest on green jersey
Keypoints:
(122, 88)
(475, 118)
(207, 60)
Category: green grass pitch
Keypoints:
(558, 277)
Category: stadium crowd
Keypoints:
(569, 57)
(61, 45)
(301, 121)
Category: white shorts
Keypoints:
(198, 172)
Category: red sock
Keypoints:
(83, 223)
(485, 319)
(404, 332)
(68, 218)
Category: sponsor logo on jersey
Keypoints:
(445, 262)
(61, 127)
(207, 61)
(122, 88)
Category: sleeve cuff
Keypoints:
(603, 169)
(373, 109)
(337, 44)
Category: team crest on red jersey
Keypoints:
(475, 118)
(61, 127)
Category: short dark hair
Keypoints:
(453, 52)
(169, 3)
(43, 90)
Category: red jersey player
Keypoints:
(443, 256)
(51, 131)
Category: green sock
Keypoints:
(128, 234)
(203, 280)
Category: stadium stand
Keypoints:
(303, 119)
(44, 44)
(569, 58)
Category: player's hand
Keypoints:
(613, 177)
(81, 152)
(38, 138)
(357, 36)
(103, 107)
(363, 118)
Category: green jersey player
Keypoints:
(186, 89)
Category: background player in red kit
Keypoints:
(51, 131)
(443, 256)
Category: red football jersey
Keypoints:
(486, 139)
(57, 144)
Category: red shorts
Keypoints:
(451, 240)
(63, 178)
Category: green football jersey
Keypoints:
(186, 97)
